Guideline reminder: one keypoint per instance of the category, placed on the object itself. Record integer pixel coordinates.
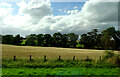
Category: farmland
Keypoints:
(66, 66)
(51, 52)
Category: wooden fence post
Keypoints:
(30, 58)
(73, 58)
(45, 58)
(14, 58)
(87, 57)
(59, 58)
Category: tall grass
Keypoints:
(53, 63)
(108, 60)
(111, 57)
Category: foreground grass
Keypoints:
(24, 67)
(60, 71)
(53, 63)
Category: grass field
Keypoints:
(60, 71)
(51, 52)
(53, 63)
(66, 66)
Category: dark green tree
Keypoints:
(72, 38)
(117, 39)
(47, 40)
(91, 39)
(40, 39)
(7, 39)
(17, 40)
(110, 38)
(0, 39)
(64, 41)
(105, 40)
(85, 40)
(31, 40)
(57, 39)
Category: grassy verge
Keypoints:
(53, 63)
(108, 66)
(60, 71)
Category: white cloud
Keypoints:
(36, 17)
(75, 7)
(5, 9)
(72, 11)
(28, 17)
(36, 10)
(3, 4)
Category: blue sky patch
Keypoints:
(61, 8)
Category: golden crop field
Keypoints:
(50, 52)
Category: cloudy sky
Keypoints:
(28, 17)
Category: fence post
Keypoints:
(14, 58)
(30, 58)
(87, 57)
(100, 59)
(45, 58)
(73, 58)
(59, 58)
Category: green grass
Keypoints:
(80, 45)
(60, 71)
(53, 63)
(23, 42)
(23, 66)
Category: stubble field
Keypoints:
(50, 52)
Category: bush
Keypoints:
(109, 54)
(111, 57)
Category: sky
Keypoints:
(65, 8)
(35, 17)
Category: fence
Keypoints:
(59, 58)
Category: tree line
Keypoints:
(107, 39)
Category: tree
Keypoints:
(91, 39)
(72, 38)
(17, 40)
(86, 41)
(0, 39)
(40, 39)
(57, 39)
(31, 40)
(117, 39)
(7, 39)
(83, 40)
(94, 38)
(107, 35)
(106, 40)
(64, 41)
(47, 40)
